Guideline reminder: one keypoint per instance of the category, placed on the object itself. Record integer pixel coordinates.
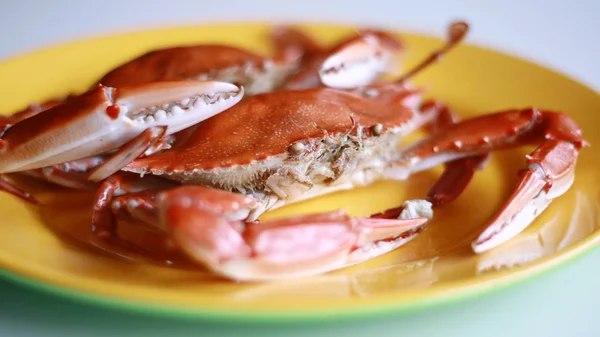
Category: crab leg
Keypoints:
(103, 221)
(69, 179)
(550, 170)
(454, 180)
(104, 225)
(128, 152)
(457, 173)
(550, 173)
(140, 206)
(98, 168)
(77, 174)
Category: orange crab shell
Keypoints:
(271, 124)
(176, 63)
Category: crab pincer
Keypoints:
(208, 225)
(370, 53)
(127, 120)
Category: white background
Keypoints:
(560, 34)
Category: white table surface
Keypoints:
(560, 34)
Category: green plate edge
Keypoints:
(513, 277)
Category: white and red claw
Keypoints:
(105, 118)
(549, 174)
(208, 225)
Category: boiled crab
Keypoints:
(279, 148)
(304, 143)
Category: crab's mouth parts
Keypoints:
(187, 105)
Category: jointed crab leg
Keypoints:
(73, 174)
(457, 173)
(550, 170)
(465, 147)
(209, 225)
(550, 173)
(83, 174)
(454, 180)
(128, 152)
(456, 34)
(104, 231)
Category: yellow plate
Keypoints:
(39, 246)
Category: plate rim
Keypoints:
(485, 285)
(448, 295)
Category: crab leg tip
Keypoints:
(528, 201)
(550, 174)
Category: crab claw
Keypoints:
(359, 62)
(106, 118)
(281, 248)
(550, 173)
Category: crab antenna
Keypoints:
(456, 33)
